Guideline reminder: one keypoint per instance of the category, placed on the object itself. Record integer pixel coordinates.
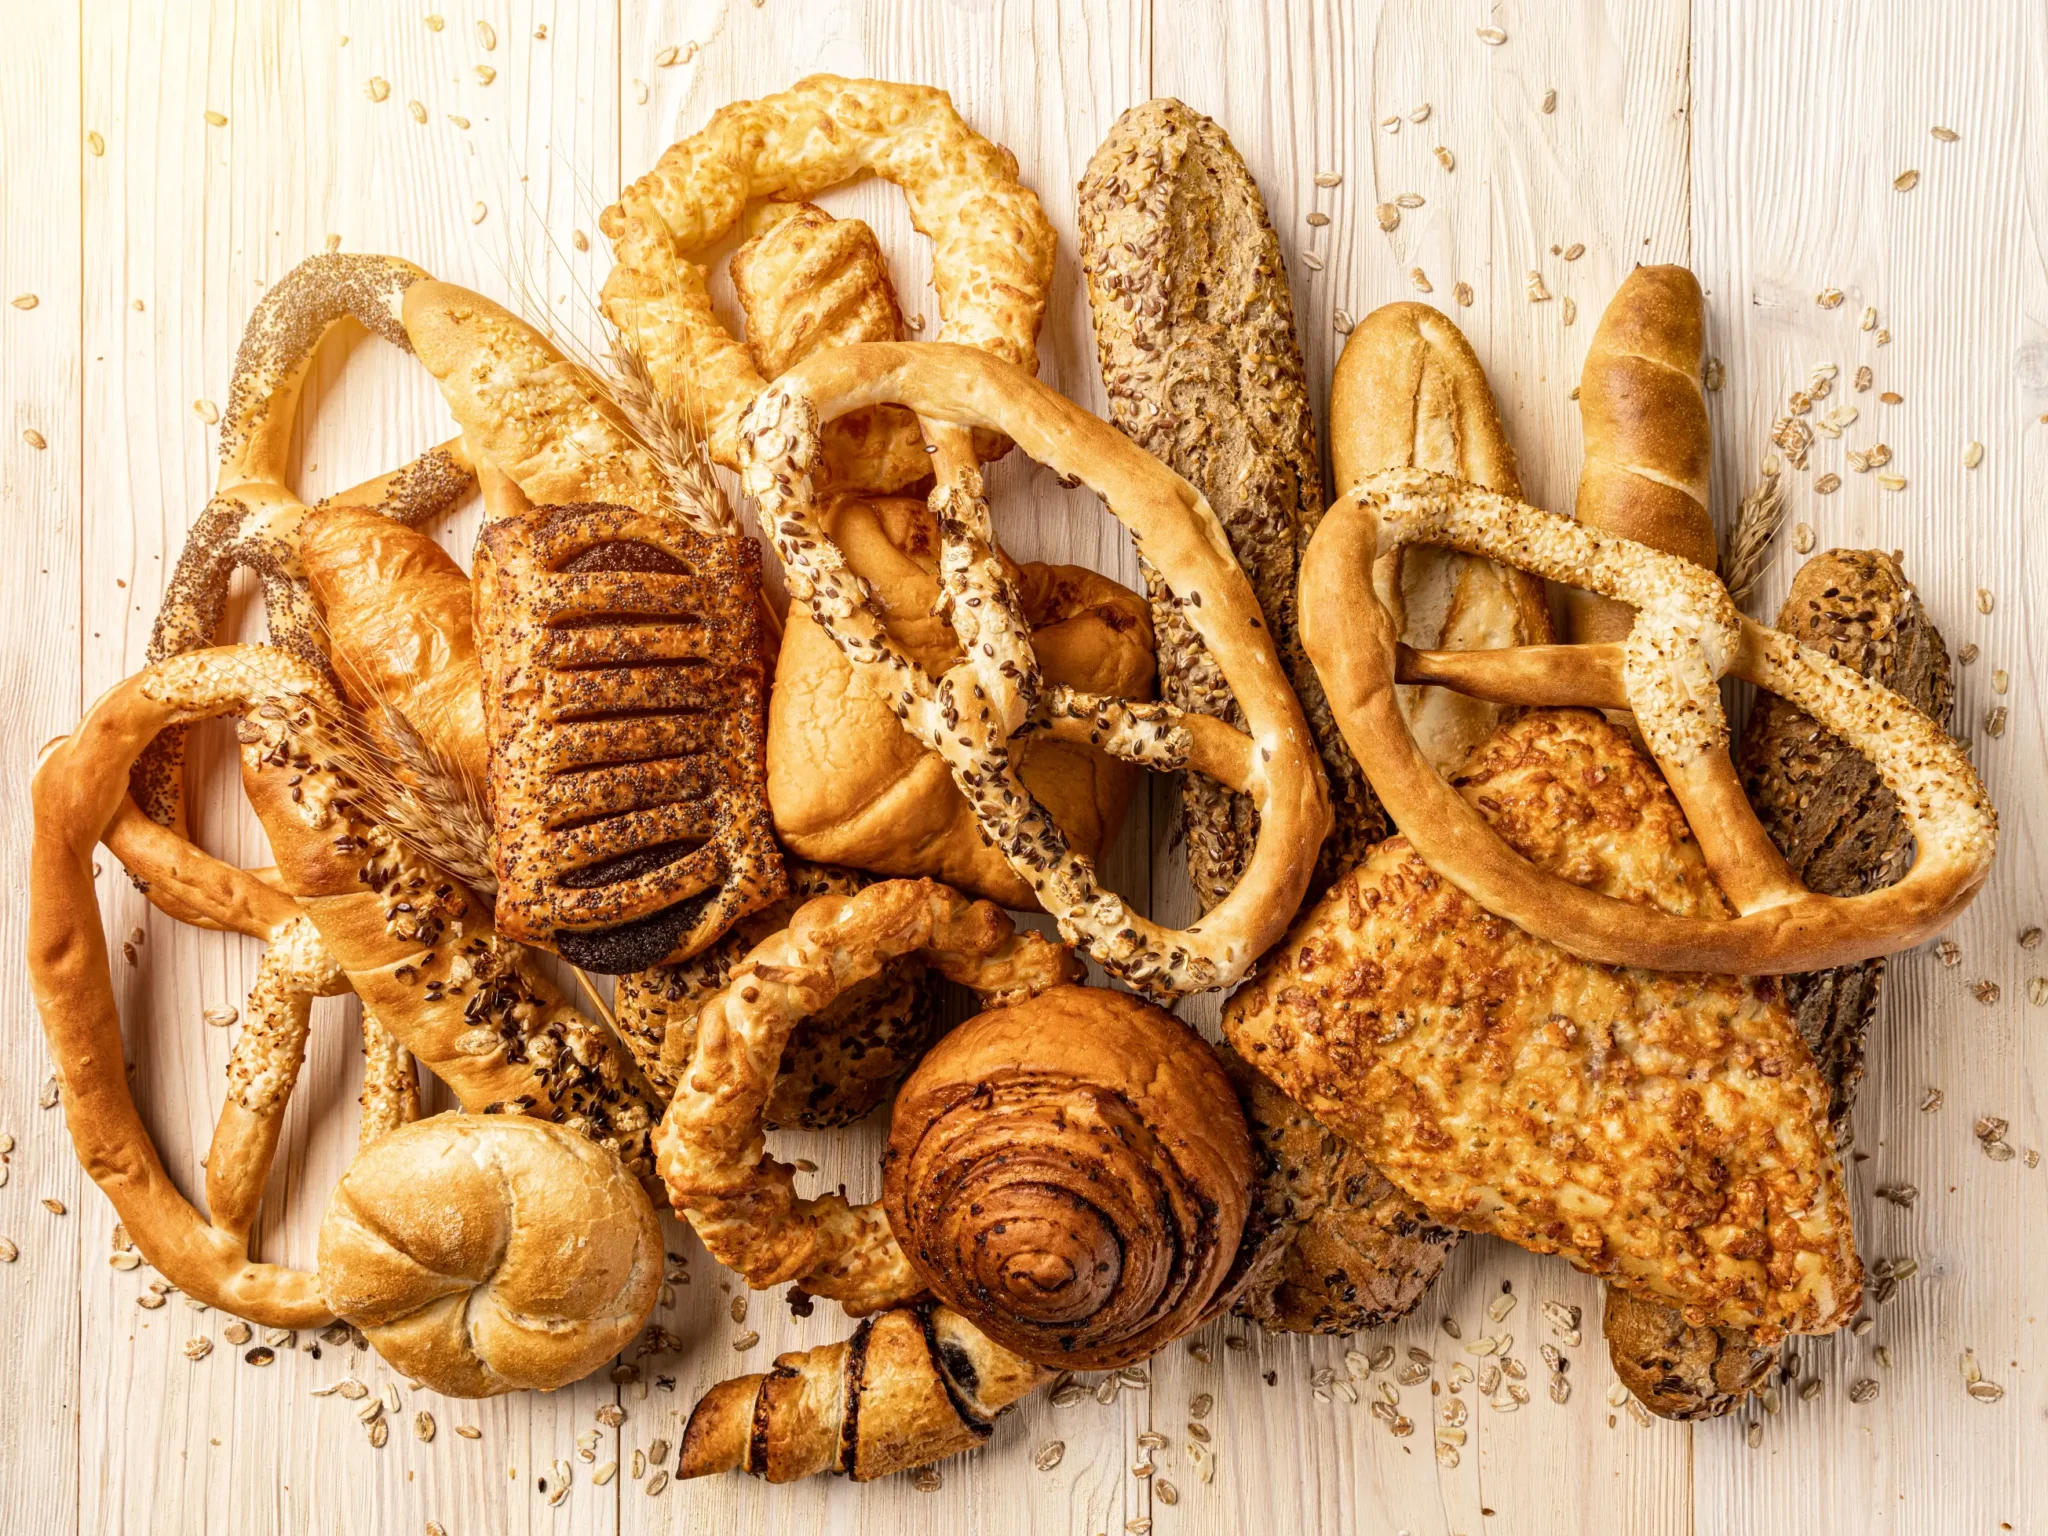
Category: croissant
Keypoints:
(1072, 1173)
(913, 1384)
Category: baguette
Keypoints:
(1409, 393)
(1841, 833)
(1648, 445)
(1194, 323)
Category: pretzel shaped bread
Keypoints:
(80, 795)
(254, 516)
(711, 1147)
(969, 714)
(992, 245)
(1687, 636)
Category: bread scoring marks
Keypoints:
(955, 716)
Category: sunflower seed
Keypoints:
(1135, 1376)
(1421, 1356)
(2037, 994)
(1905, 181)
(1945, 135)
(1049, 1455)
(469, 1432)
(1863, 1391)
(1106, 1390)
(1549, 101)
(1068, 1393)
(659, 1481)
(1312, 261)
(1985, 1391)
(926, 1480)
(1714, 375)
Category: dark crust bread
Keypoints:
(1330, 1246)
(625, 692)
(1194, 323)
(1840, 832)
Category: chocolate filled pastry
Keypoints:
(624, 690)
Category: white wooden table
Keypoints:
(1755, 140)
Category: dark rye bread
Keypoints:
(1840, 831)
(1330, 1246)
(1194, 323)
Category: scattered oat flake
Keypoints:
(486, 36)
(1445, 158)
(1571, 310)
(1312, 261)
(95, 143)
(1945, 135)
(1892, 482)
(1905, 181)
(1538, 294)
(1420, 279)
(1884, 338)
(1826, 485)
(667, 57)
(746, 1340)
(1714, 375)
(1994, 726)
(1863, 378)
(1463, 294)
(1409, 200)
(1317, 220)
(26, 301)
(478, 214)
(485, 75)
(1549, 101)
(418, 110)
(1802, 537)
(435, 23)
(217, 119)
(1868, 320)
(1892, 397)
(1493, 37)
(1342, 321)
(1829, 298)
(1391, 124)
(459, 121)
(1985, 601)
(469, 1432)
(1389, 217)
(378, 89)
(35, 440)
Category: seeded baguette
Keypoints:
(1194, 325)
(1840, 831)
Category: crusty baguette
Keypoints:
(1194, 323)
(1841, 833)
(398, 614)
(1648, 445)
(1408, 392)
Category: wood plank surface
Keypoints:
(1757, 140)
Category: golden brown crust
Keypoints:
(969, 716)
(1648, 443)
(712, 1153)
(1071, 1174)
(399, 625)
(1666, 1131)
(527, 408)
(253, 519)
(1194, 323)
(490, 1254)
(914, 1384)
(1409, 393)
(846, 783)
(1330, 1245)
(1840, 831)
(807, 280)
(624, 686)
(840, 1063)
(1686, 636)
(992, 246)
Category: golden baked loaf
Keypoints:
(1840, 831)
(401, 633)
(848, 785)
(483, 1254)
(1409, 393)
(1509, 1088)
(1648, 443)
(1194, 325)
(1071, 1173)
(623, 683)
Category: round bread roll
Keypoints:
(1072, 1174)
(489, 1253)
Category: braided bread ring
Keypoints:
(254, 516)
(710, 1148)
(1687, 636)
(80, 789)
(992, 245)
(966, 715)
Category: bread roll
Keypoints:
(1194, 323)
(1840, 831)
(483, 1254)
(1071, 1173)
(397, 609)
(848, 785)
(1648, 445)
(1409, 393)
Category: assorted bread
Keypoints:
(1400, 800)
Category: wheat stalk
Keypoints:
(670, 436)
(1757, 522)
(426, 801)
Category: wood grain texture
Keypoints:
(1756, 140)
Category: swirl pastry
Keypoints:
(1071, 1173)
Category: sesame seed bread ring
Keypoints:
(254, 517)
(992, 245)
(80, 794)
(484, 1254)
(710, 1148)
(1686, 637)
(969, 715)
